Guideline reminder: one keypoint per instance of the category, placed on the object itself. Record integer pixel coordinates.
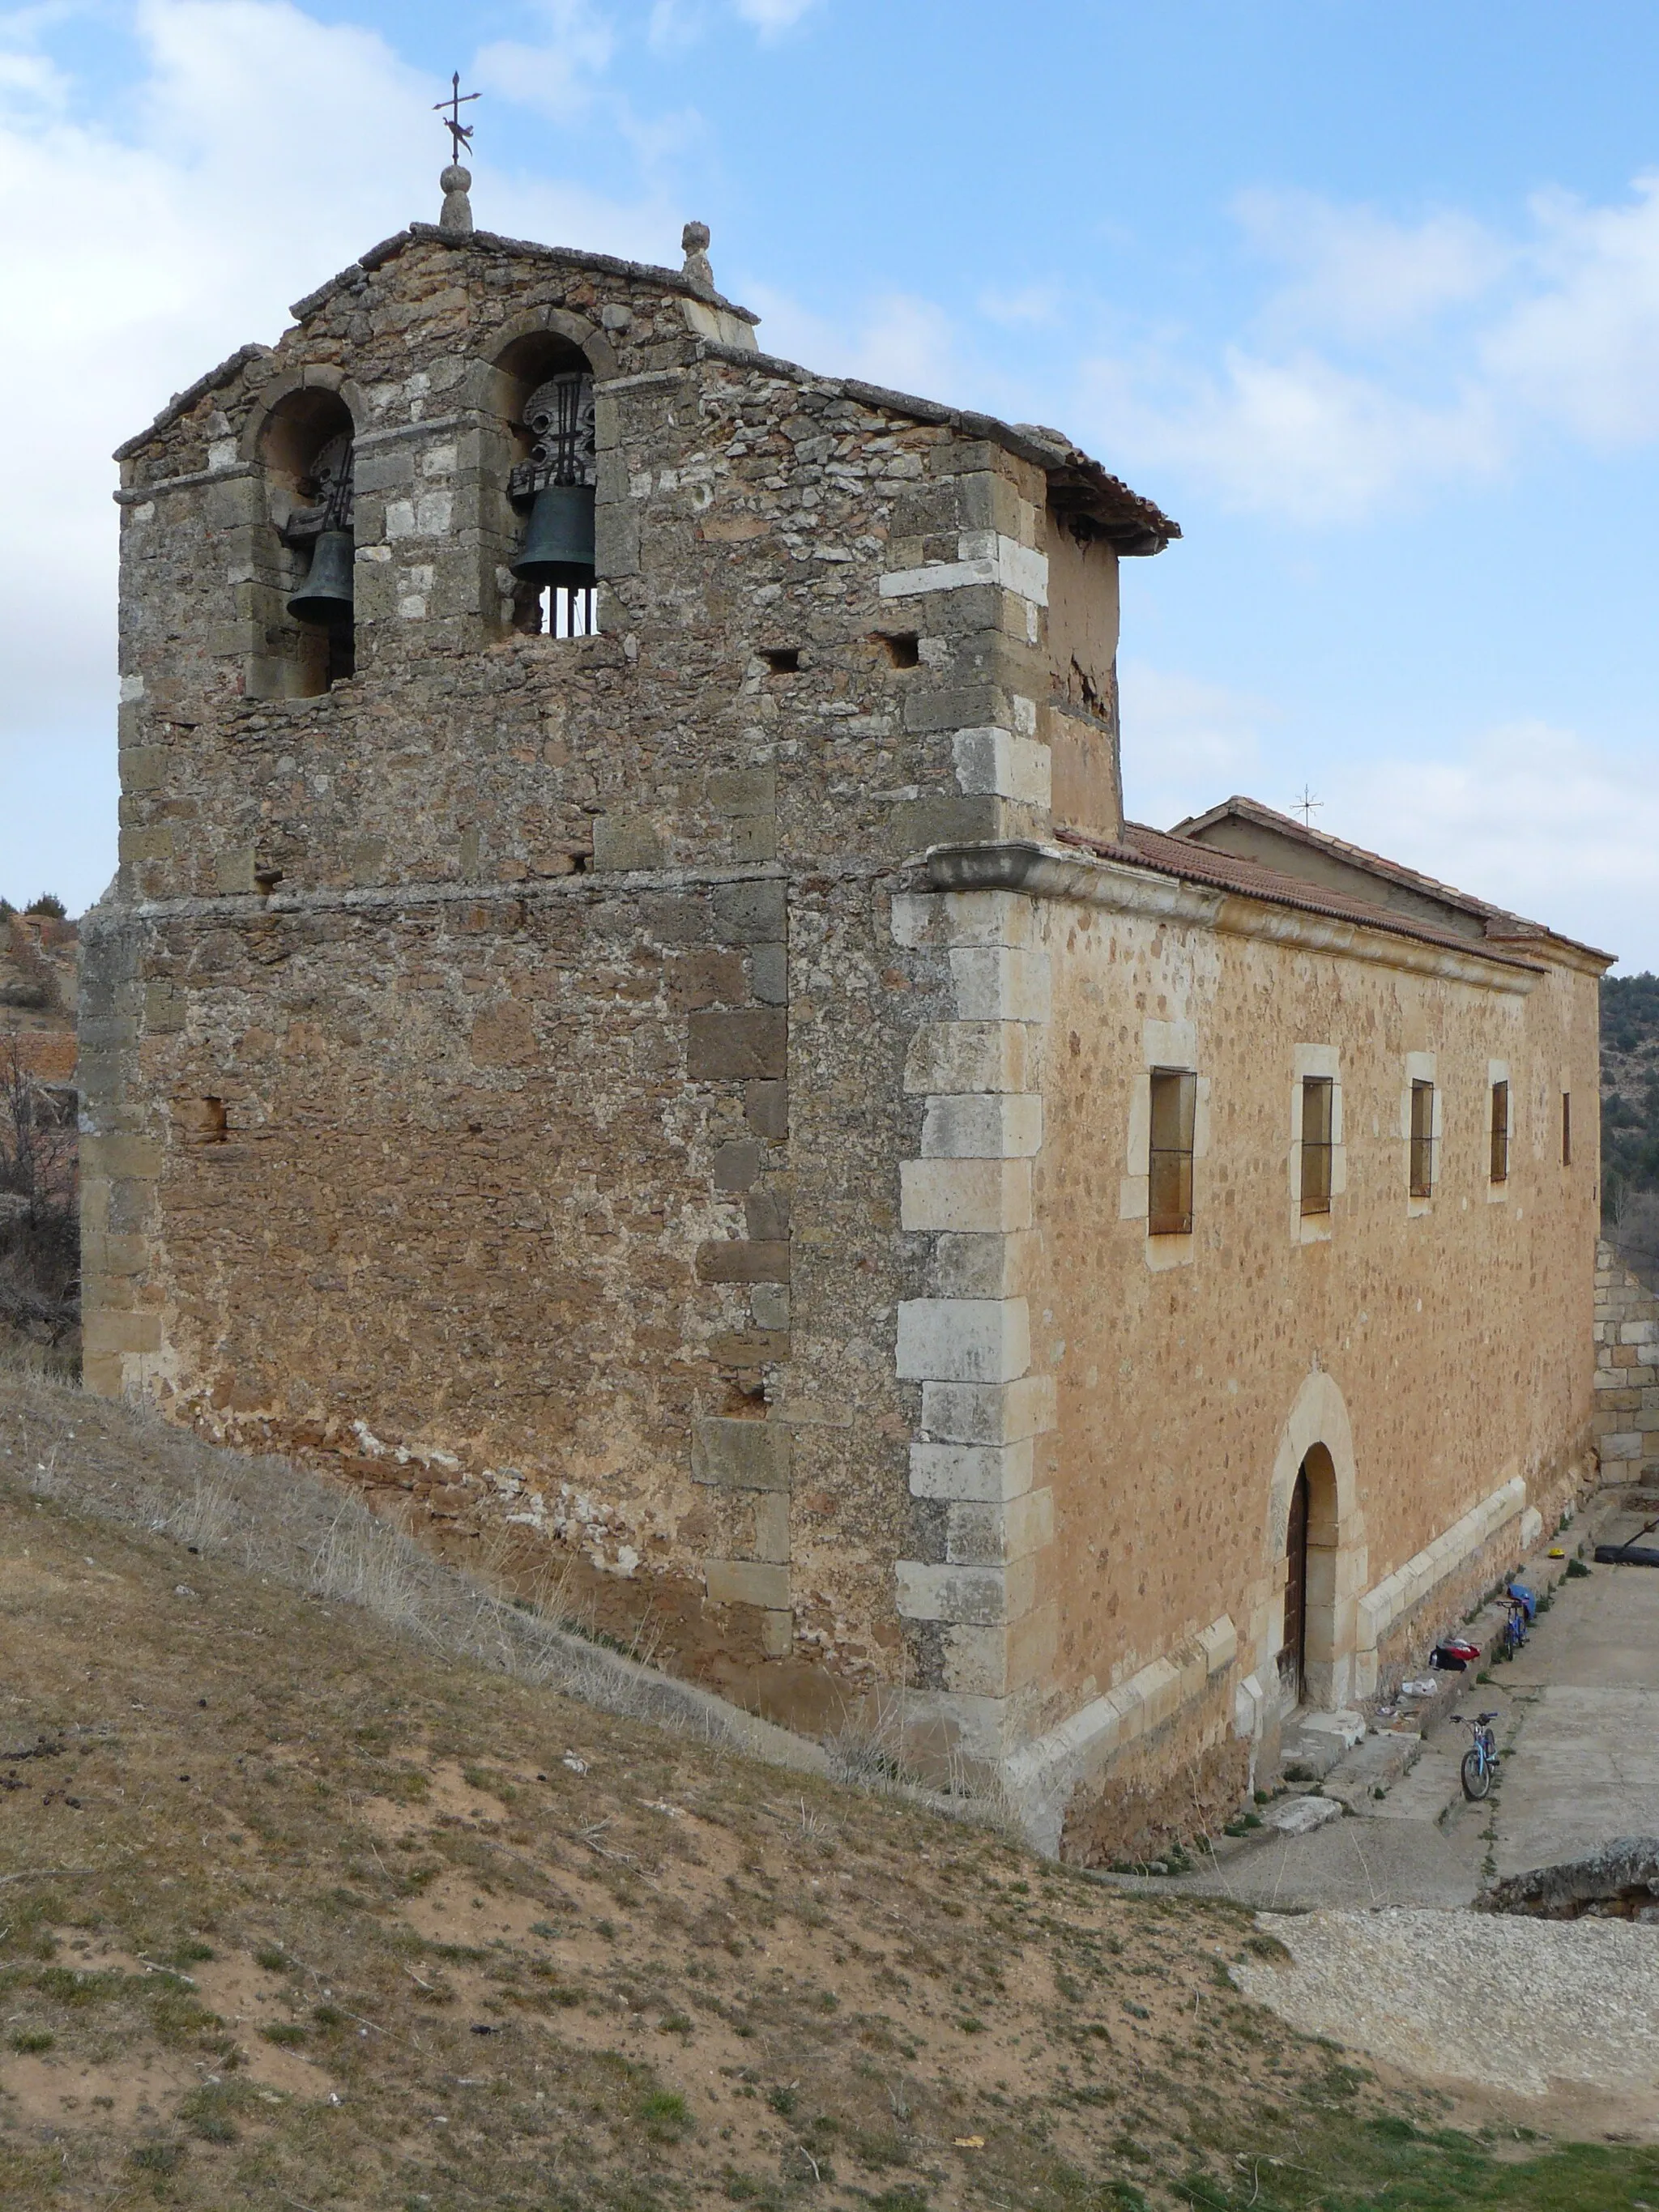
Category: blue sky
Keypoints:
(1368, 298)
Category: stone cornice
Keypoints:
(1048, 871)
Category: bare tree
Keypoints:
(40, 1232)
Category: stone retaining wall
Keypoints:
(1626, 1369)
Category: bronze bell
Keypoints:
(558, 546)
(326, 594)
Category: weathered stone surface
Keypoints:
(1626, 1383)
(724, 1047)
(741, 1454)
(1300, 1816)
(1620, 1881)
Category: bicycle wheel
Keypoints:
(1477, 1775)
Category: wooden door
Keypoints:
(1293, 1652)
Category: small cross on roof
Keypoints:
(460, 133)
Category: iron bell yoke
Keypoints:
(558, 544)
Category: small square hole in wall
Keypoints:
(903, 647)
(204, 1121)
(782, 659)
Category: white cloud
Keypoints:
(147, 259)
(1030, 307)
(897, 339)
(556, 79)
(1186, 743)
(1583, 349)
(1532, 817)
(1394, 357)
(1298, 436)
(674, 25)
(1358, 274)
(773, 17)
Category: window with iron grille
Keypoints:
(1169, 1162)
(1500, 1132)
(1566, 1128)
(1422, 1160)
(1318, 1115)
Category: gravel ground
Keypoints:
(1505, 2003)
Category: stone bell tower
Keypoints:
(501, 1043)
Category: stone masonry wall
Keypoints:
(1626, 1371)
(1111, 1422)
(495, 1063)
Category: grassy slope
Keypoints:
(294, 1911)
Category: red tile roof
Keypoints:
(1141, 848)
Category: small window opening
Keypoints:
(782, 659)
(204, 1120)
(1169, 1162)
(1566, 1128)
(1422, 1159)
(1500, 1132)
(903, 647)
(567, 610)
(1318, 1098)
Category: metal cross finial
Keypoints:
(460, 133)
(1307, 806)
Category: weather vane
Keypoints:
(1307, 806)
(460, 133)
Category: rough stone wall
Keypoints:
(495, 1063)
(1113, 1459)
(1626, 1371)
(1457, 1334)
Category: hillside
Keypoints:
(303, 1910)
(1629, 1118)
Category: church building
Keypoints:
(631, 1025)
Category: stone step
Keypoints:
(1317, 1742)
(1377, 1763)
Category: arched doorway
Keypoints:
(1310, 1641)
(1312, 1618)
(1293, 1651)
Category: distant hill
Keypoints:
(1629, 1087)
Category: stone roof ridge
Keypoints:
(1168, 854)
(181, 402)
(490, 241)
(1082, 483)
(1078, 482)
(1499, 921)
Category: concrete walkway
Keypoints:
(1578, 1725)
(1379, 1959)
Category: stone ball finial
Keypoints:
(694, 239)
(457, 214)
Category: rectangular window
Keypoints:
(1566, 1128)
(1169, 1164)
(1318, 1098)
(1500, 1132)
(1422, 1164)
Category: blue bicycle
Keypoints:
(1480, 1760)
(1514, 1636)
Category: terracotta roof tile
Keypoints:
(1142, 848)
